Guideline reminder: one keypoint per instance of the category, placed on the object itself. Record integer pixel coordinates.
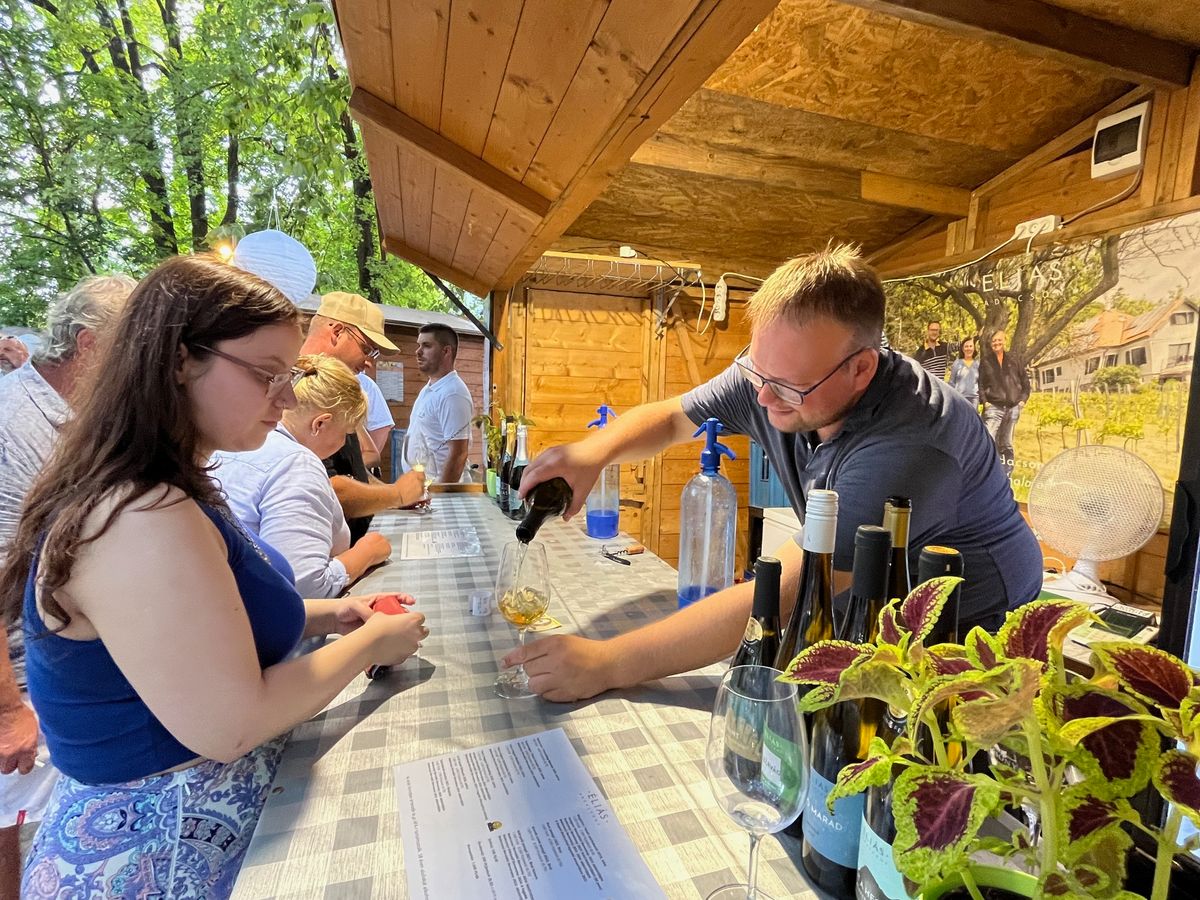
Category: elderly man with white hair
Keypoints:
(35, 401)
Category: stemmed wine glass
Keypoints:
(522, 596)
(757, 761)
(423, 458)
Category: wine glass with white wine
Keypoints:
(522, 596)
(422, 457)
(757, 761)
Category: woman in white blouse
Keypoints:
(281, 491)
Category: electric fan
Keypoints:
(1094, 503)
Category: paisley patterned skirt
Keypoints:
(178, 835)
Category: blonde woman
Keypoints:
(282, 492)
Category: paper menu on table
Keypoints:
(445, 543)
(517, 820)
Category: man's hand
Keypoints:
(18, 738)
(409, 489)
(564, 667)
(574, 463)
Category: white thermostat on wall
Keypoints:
(1120, 143)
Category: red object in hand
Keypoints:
(389, 605)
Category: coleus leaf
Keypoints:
(1118, 756)
(889, 628)
(983, 650)
(1176, 779)
(947, 659)
(1031, 630)
(1100, 859)
(1087, 818)
(921, 608)
(879, 680)
(1146, 672)
(987, 720)
(873, 771)
(938, 813)
(824, 662)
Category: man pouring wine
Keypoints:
(833, 411)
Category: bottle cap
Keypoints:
(606, 412)
(872, 547)
(820, 520)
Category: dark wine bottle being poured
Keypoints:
(546, 500)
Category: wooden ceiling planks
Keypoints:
(461, 100)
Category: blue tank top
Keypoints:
(97, 727)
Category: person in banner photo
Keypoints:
(964, 373)
(1004, 388)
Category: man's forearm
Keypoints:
(452, 471)
(360, 499)
(10, 694)
(644, 431)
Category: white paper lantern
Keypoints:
(279, 259)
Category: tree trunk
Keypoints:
(232, 174)
(365, 247)
(188, 129)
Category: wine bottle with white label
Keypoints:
(812, 616)
(842, 733)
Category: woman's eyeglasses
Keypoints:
(793, 396)
(275, 382)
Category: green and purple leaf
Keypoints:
(1176, 779)
(889, 629)
(921, 608)
(938, 814)
(874, 771)
(988, 719)
(1030, 631)
(1146, 672)
(1087, 819)
(1103, 853)
(1120, 753)
(824, 663)
(948, 659)
(983, 650)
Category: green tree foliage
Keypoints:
(1113, 377)
(134, 129)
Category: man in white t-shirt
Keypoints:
(439, 430)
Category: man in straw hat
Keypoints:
(350, 328)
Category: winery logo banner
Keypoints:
(1089, 342)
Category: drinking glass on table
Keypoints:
(422, 457)
(522, 596)
(757, 760)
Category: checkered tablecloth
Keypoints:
(330, 827)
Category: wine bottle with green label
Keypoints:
(760, 642)
(842, 733)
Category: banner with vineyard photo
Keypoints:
(1104, 331)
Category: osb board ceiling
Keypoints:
(489, 125)
(1177, 20)
(800, 135)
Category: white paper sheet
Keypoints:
(518, 820)
(445, 543)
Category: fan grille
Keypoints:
(1096, 503)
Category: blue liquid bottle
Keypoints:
(604, 501)
(707, 523)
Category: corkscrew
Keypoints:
(617, 556)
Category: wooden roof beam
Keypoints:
(666, 152)
(397, 247)
(1048, 31)
(366, 107)
(909, 193)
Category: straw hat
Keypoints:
(360, 312)
(279, 259)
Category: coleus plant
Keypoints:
(1089, 745)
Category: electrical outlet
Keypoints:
(720, 300)
(1032, 228)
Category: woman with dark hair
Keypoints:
(157, 630)
(964, 373)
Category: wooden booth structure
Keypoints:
(516, 146)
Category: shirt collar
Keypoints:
(866, 409)
(48, 401)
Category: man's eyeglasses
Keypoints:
(793, 396)
(369, 351)
(275, 382)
